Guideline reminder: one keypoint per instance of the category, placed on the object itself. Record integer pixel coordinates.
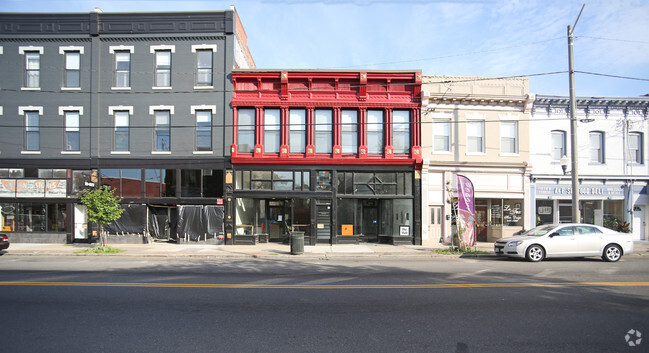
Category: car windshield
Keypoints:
(540, 231)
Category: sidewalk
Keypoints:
(268, 250)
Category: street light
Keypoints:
(564, 164)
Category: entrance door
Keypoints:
(323, 223)
(370, 223)
(277, 220)
(639, 223)
(435, 223)
(565, 213)
(481, 222)
(80, 222)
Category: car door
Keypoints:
(590, 241)
(562, 242)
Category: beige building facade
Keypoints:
(477, 127)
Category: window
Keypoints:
(32, 69)
(125, 182)
(475, 136)
(160, 182)
(162, 130)
(245, 130)
(509, 137)
(204, 67)
(271, 130)
(72, 131)
(558, 144)
(401, 131)
(323, 131)
(297, 130)
(375, 131)
(442, 135)
(162, 68)
(349, 131)
(596, 147)
(121, 138)
(72, 77)
(122, 69)
(203, 130)
(636, 147)
(32, 131)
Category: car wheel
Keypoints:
(535, 253)
(612, 253)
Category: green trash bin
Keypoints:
(297, 243)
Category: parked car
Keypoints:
(4, 242)
(566, 240)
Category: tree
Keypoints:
(103, 208)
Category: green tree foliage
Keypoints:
(103, 208)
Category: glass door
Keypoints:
(80, 222)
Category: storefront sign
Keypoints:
(404, 231)
(598, 191)
(466, 209)
(30, 188)
(347, 229)
(55, 188)
(7, 188)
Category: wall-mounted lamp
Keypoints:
(564, 164)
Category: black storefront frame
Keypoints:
(319, 200)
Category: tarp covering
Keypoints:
(133, 220)
(162, 222)
(200, 222)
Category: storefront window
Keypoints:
(190, 183)
(33, 217)
(544, 212)
(402, 215)
(505, 212)
(323, 180)
(245, 216)
(613, 213)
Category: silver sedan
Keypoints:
(566, 240)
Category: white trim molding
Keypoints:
(154, 48)
(120, 108)
(194, 108)
(113, 48)
(153, 108)
(70, 108)
(62, 50)
(196, 47)
(22, 49)
(509, 116)
(29, 108)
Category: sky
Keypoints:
(496, 38)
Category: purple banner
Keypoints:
(466, 210)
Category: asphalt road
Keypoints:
(96, 304)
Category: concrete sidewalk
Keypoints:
(268, 250)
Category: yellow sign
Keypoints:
(6, 229)
(348, 229)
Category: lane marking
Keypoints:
(326, 286)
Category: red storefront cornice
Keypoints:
(326, 161)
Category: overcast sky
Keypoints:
(453, 37)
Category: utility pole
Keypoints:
(573, 126)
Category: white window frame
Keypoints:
(111, 111)
(62, 112)
(154, 49)
(246, 129)
(442, 118)
(24, 50)
(601, 154)
(375, 129)
(152, 111)
(22, 111)
(639, 158)
(564, 150)
(193, 110)
(349, 130)
(515, 138)
(272, 130)
(195, 49)
(323, 129)
(64, 51)
(398, 129)
(113, 49)
(481, 136)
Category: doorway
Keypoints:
(639, 223)
(80, 222)
(370, 222)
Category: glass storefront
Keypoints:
(33, 217)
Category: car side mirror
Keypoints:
(554, 234)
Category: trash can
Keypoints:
(297, 243)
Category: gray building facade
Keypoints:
(137, 101)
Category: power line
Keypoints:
(614, 39)
(613, 76)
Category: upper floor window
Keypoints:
(558, 144)
(323, 131)
(121, 133)
(203, 130)
(122, 69)
(32, 66)
(163, 68)
(32, 130)
(597, 147)
(72, 65)
(349, 131)
(297, 130)
(204, 67)
(442, 135)
(245, 130)
(72, 134)
(509, 137)
(636, 147)
(475, 137)
(162, 130)
(401, 131)
(375, 132)
(272, 136)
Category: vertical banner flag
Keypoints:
(466, 209)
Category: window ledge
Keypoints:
(70, 152)
(160, 152)
(203, 152)
(162, 88)
(30, 88)
(509, 155)
(121, 88)
(475, 154)
(203, 87)
(70, 88)
(30, 152)
(120, 152)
